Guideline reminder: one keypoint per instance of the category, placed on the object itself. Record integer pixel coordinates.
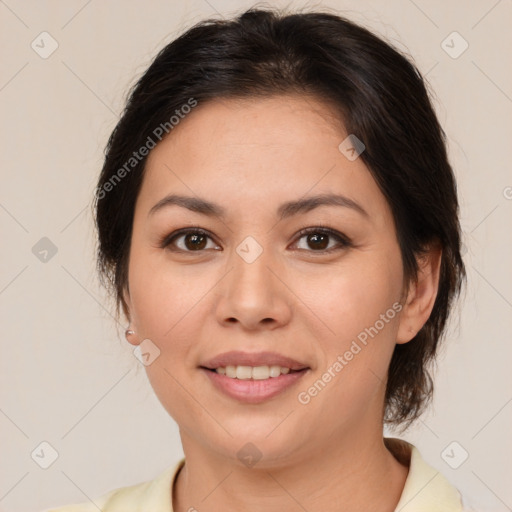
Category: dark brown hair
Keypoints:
(381, 98)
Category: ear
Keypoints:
(421, 295)
(127, 305)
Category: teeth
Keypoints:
(252, 372)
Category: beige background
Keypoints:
(67, 375)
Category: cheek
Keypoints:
(353, 298)
(166, 306)
(163, 295)
(359, 304)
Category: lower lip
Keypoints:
(254, 391)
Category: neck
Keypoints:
(357, 473)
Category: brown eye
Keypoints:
(195, 242)
(319, 240)
(188, 240)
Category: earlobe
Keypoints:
(130, 337)
(130, 332)
(421, 295)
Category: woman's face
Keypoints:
(254, 284)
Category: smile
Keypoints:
(252, 372)
(255, 384)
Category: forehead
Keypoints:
(258, 151)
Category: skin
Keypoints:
(250, 156)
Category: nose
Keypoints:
(253, 295)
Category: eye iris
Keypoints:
(197, 241)
(318, 237)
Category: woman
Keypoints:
(278, 221)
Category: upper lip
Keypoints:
(238, 358)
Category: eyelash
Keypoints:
(344, 241)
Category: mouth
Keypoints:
(252, 378)
(260, 360)
(253, 385)
(242, 372)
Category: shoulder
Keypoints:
(426, 489)
(109, 501)
(99, 503)
(154, 494)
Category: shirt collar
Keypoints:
(426, 489)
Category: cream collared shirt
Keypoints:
(425, 490)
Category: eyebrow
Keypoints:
(284, 211)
